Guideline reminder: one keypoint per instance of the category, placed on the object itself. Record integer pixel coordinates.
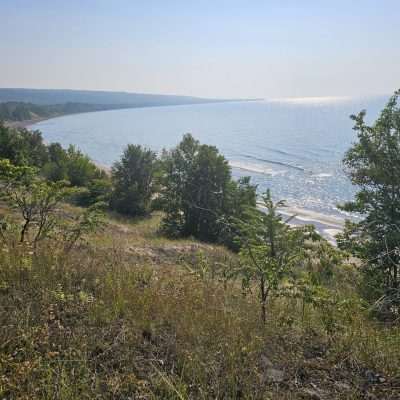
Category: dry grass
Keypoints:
(123, 318)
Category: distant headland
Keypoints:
(18, 105)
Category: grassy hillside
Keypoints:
(129, 314)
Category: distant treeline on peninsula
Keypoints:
(27, 104)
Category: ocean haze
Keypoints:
(206, 49)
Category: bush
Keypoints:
(97, 190)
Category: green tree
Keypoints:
(56, 169)
(72, 165)
(198, 192)
(241, 196)
(269, 248)
(25, 148)
(133, 180)
(177, 166)
(373, 164)
(34, 198)
(22, 147)
(80, 169)
(97, 191)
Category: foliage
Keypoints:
(56, 167)
(71, 231)
(270, 248)
(240, 196)
(18, 111)
(26, 148)
(96, 191)
(325, 263)
(198, 192)
(35, 199)
(80, 169)
(133, 180)
(373, 164)
(22, 147)
(71, 165)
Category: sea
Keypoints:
(294, 147)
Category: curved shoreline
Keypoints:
(327, 225)
(28, 122)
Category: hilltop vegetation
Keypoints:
(162, 280)
(16, 111)
(60, 96)
(20, 111)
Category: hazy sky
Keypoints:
(216, 48)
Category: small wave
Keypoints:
(353, 216)
(296, 167)
(285, 153)
(258, 169)
(279, 151)
(322, 175)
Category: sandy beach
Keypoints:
(24, 124)
(327, 225)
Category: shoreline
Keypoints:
(25, 124)
(326, 225)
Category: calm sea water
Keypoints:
(294, 147)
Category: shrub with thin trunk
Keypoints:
(270, 248)
(34, 198)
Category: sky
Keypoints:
(217, 48)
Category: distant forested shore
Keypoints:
(35, 104)
(19, 111)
